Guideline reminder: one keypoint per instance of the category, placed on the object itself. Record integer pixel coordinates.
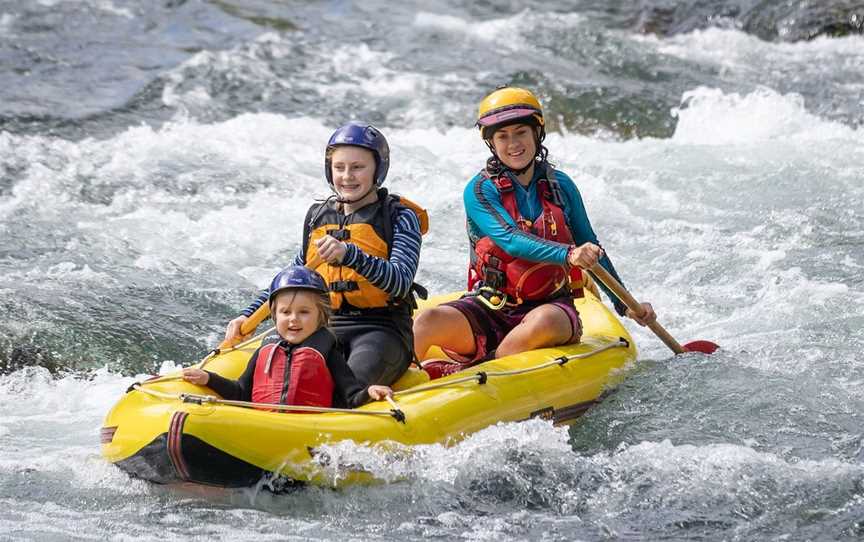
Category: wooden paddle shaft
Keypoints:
(251, 323)
(618, 289)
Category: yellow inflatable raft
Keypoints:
(167, 430)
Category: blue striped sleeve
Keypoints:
(396, 274)
(265, 293)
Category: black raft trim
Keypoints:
(204, 464)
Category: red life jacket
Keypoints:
(520, 279)
(309, 382)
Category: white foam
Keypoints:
(445, 464)
(6, 22)
(737, 51)
(711, 117)
(721, 464)
(33, 394)
(103, 5)
(60, 417)
(487, 30)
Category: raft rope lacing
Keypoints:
(481, 377)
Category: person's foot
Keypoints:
(439, 367)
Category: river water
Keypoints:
(156, 160)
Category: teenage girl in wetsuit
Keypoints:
(366, 244)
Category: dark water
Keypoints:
(156, 159)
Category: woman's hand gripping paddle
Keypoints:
(706, 347)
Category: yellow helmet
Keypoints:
(507, 105)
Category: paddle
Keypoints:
(250, 324)
(247, 328)
(705, 347)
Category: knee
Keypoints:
(548, 325)
(428, 321)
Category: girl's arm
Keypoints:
(235, 390)
(396, 274)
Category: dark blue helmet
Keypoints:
(297, 277)
(365, 136)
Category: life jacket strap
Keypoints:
(344, 286)
(340, 234)
(492, 298)
(503, 183)
(270, 358)
(554, 193)
(494, 277)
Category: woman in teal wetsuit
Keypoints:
(530, 238)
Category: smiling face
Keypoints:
(515, 145)
(353, 170)
(297, 314)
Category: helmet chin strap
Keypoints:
(340, 199)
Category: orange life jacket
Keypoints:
(371, 230)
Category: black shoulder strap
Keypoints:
(311, 215)
(556, 196)
(391, 204)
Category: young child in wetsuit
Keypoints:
(303, 363)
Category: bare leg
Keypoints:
(445, 327)
(547, 325)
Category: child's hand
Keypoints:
(196, 376)
(331, 249)
(379, 392)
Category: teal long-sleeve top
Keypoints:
(488, 217)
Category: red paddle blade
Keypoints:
(705, 347)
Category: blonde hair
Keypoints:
(322, 303)
(325, 309)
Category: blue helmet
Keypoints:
(365, 136)
(297, 277)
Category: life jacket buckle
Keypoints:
(344, 286)
(492, 298)
(340, 234)
(494, 278)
